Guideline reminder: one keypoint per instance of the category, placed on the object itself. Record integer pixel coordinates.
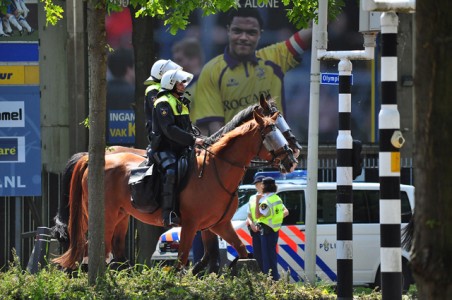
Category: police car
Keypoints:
(291, 244)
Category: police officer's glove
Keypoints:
(185, 101)
(198, 145)
(150, 153)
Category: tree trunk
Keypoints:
(431, 261)
(143, 42)
(97, 64)
(143, 45)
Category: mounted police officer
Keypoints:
(159, 68)
(172, 134)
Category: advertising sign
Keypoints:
(121, 127)
(20, 127)
(207, 38)
(20, 141)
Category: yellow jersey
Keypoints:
(227, 86)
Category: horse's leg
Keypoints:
(109, 230)
(227, 232)
(119, 238)
(211, 254)
(118, 243)
(187, 235)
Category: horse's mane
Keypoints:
(241, 117)
(228, 138)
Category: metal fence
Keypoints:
(21, 216)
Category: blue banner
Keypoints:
(121, 127)
(20, 141)
(19, 52)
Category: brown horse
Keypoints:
(223, 168)
(266, 106)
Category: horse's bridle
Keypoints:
(286, 130)
(272, 139)
(277, 145)
(275, 142)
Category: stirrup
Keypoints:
(173, 220)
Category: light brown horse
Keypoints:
(206, 203)
(266, 107)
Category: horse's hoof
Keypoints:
(183, 272)
(213, 267)
(199, 267)
(244, 264)
(84, 267)
(119, 264)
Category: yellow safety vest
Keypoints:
(154, 86)
(276, 215)
(252, 205)
(174, 102)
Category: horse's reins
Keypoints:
(261, 164)
(206, 149)
(231, 194)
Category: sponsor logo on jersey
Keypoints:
(232, 82)
(260, 73)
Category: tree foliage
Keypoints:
(176, 13)
(53, 12)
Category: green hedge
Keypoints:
(142, 282)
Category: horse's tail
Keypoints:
(78, 219)
(407, 234)
(59, 231)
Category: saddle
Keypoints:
(145, 183)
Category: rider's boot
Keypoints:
(169, 216)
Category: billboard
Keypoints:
(211, 34)
(20, 129)
(20, 141)
(121, 127)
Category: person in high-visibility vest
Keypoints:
(172, 134)
(251, 221)
(159, 68)
(270, 212)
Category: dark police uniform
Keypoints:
(172, 135)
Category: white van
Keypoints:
(291, 244)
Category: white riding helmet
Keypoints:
(170, 78)
(159, 68)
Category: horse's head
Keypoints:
(279, 154)
(268, 108)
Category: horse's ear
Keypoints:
(256, 110)
(263, 103)
(258, 117)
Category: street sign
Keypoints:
(331, 78)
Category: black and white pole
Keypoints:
(391, 140)
(344, 174)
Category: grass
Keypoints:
(142, 282)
